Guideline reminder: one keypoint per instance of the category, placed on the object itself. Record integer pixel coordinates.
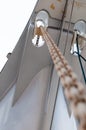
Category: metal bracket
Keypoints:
(41, 20)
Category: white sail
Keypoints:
(31, 95)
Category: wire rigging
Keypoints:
(79, 55)
(84, 76)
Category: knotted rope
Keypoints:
(74, 90)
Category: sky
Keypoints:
(14, 15)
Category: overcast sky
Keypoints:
(14, 15)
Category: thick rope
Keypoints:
(74, 90)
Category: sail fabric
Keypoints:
(61, 120)
(27, 113)
(5, 107)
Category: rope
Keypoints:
(74, 90)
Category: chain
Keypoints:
(74, 90)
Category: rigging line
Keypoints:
(64, 62)
(74, 90)
(69, 26)
(61, 25)
(79, 55)
(80, 61)
(58, 84)
(61, 58)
